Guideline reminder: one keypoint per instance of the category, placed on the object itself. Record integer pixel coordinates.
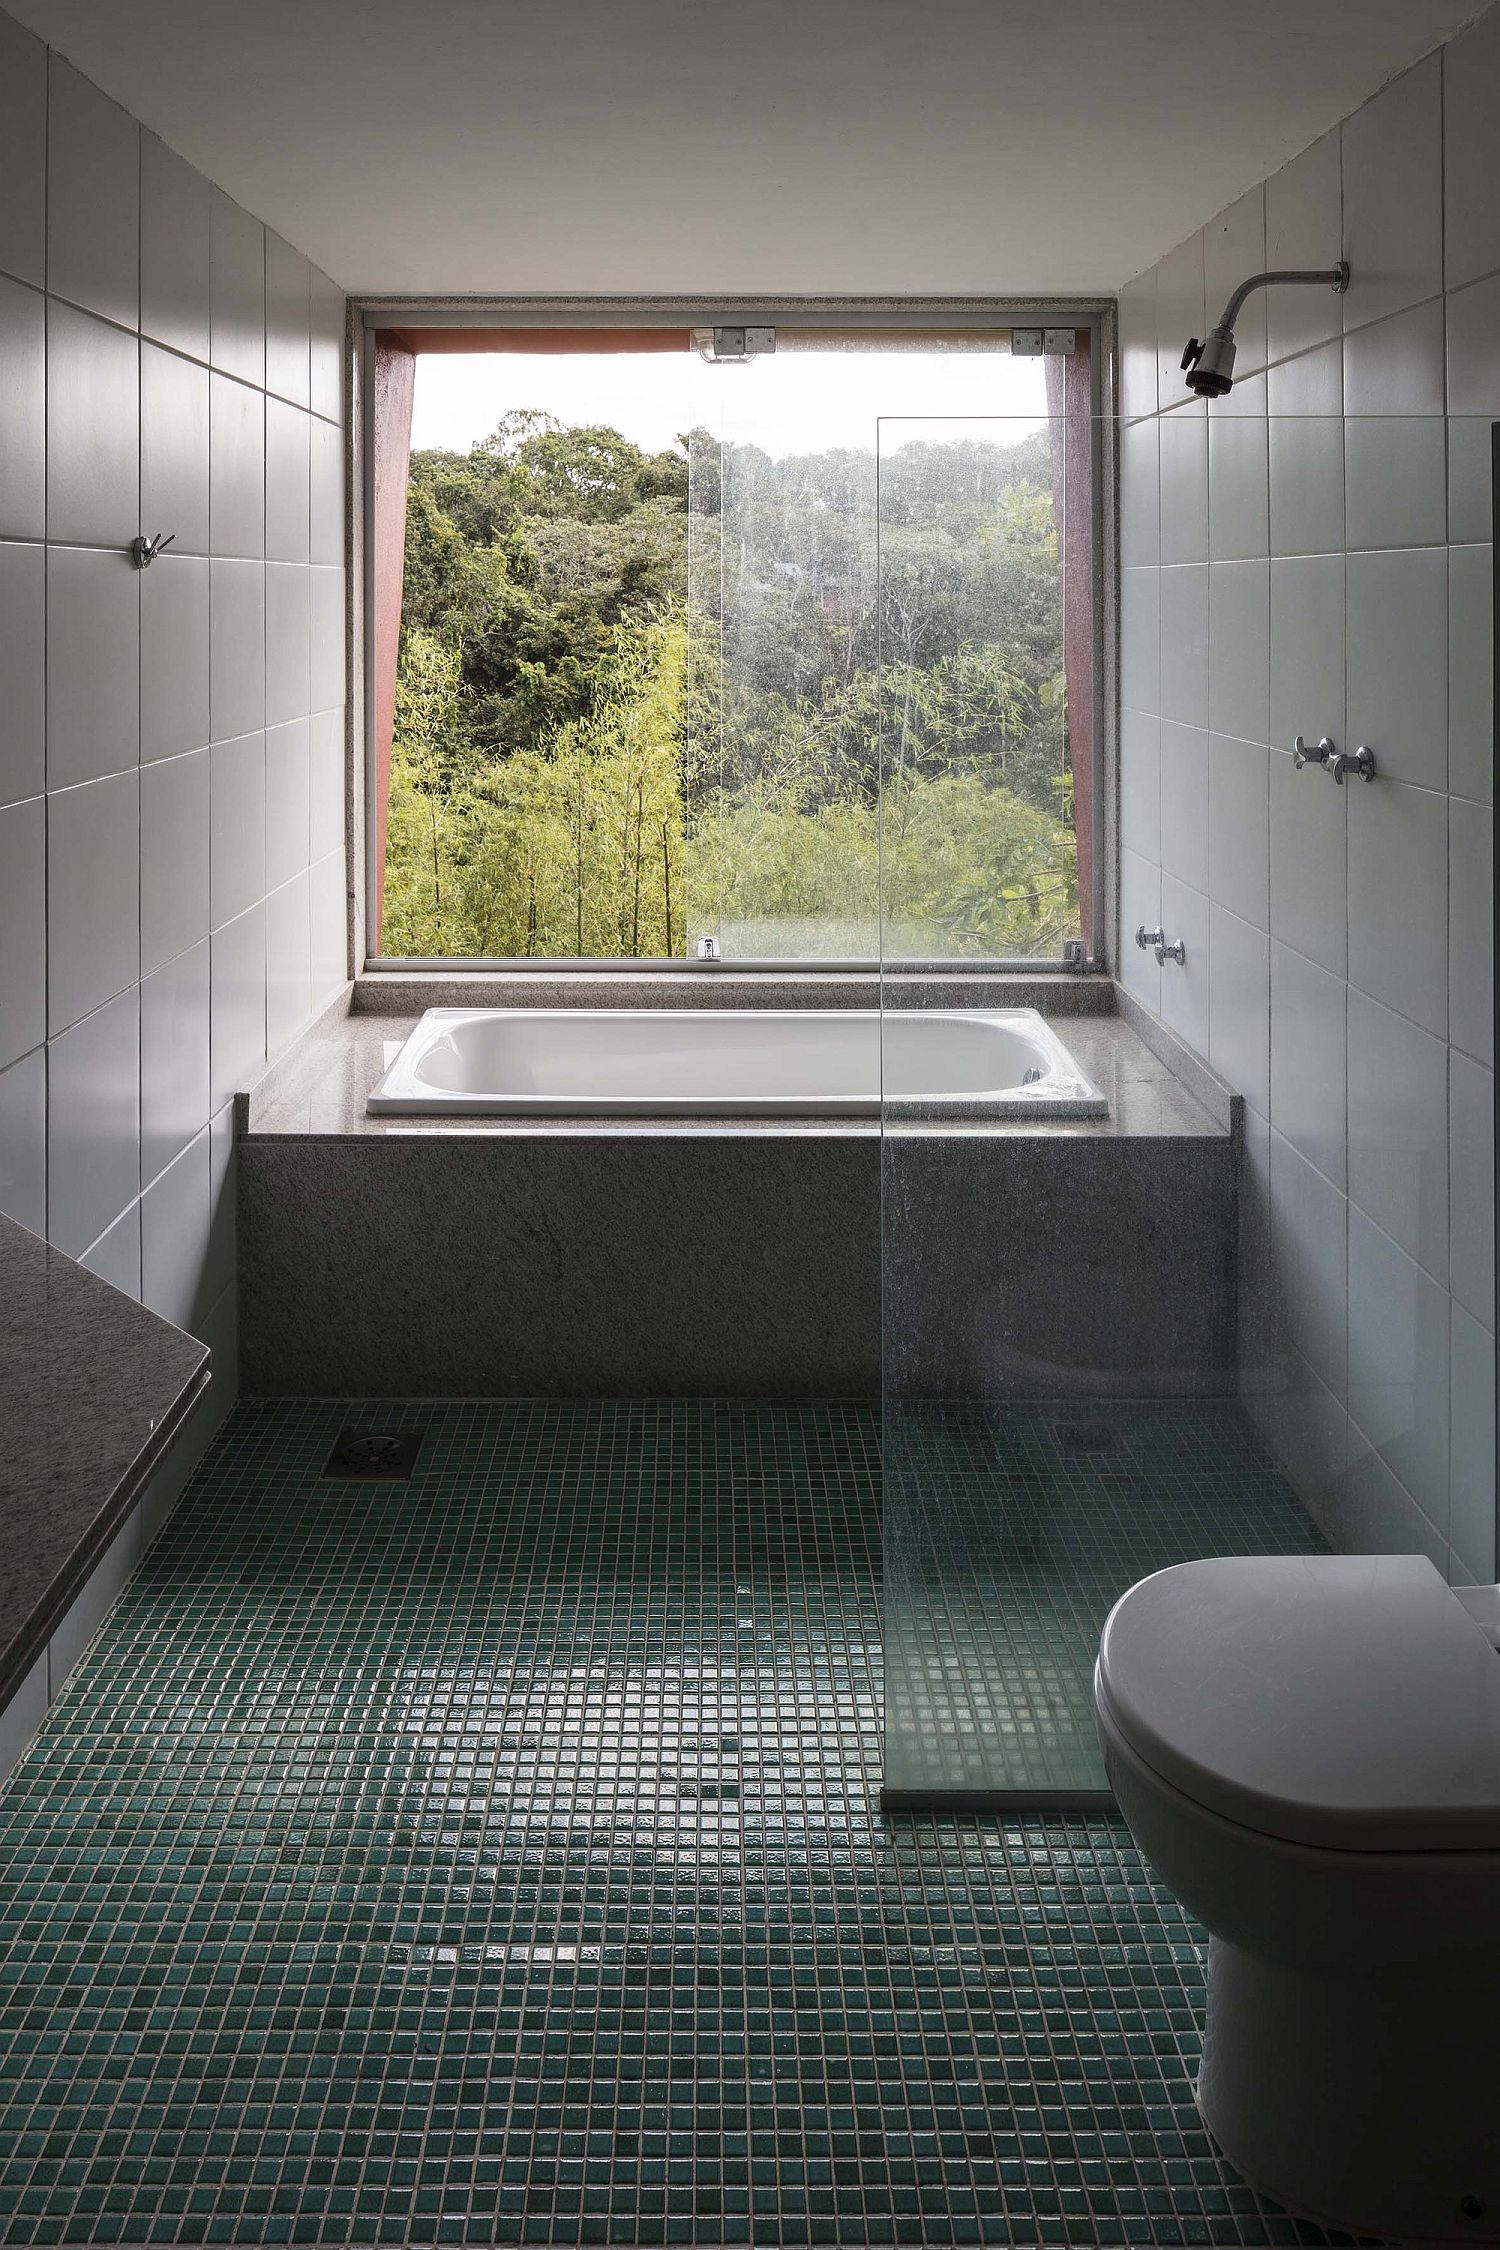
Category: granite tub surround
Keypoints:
(95, 1388)
(594, 1257)
(393, 991)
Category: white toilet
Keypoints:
(1307, 1749)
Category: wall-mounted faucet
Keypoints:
(1338, 762)
(708, 948)
(1157, 942)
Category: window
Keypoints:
(790, 648)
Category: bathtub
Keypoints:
(723, 1062)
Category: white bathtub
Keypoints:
(723, 1062)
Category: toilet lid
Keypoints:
(1343, 1700)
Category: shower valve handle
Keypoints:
(1148, 939)
(1302, 756)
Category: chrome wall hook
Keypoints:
(144, 550)
(1360, 761)
(1319, 756)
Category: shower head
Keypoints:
(1209, 366)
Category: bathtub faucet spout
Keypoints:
(708, 948)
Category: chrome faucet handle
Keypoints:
(1302, 756)
(1175, 951)
(1146, 939)
(1360, 761)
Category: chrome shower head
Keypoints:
(1209, 365)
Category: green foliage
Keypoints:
(611, 735)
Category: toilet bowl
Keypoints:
(1307, 1751)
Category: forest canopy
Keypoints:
(813, 704)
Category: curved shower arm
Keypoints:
(1337, 278)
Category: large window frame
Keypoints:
(411, 324)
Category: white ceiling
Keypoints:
(775, 146)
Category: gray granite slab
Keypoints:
(93, 1389)
(408, 992)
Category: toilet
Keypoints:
(1307, 1750)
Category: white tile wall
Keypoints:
(1312, 556)
(144, 819)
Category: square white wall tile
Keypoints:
(1181, 311)
(1140, 907)
(1471, 103)
(1234, 245)
(1398, 1130)
(1239, 649)
(1304, 228)
(23, 162)
(237, 649)
(174, 449)
(1307, 1061)
(1398, 1364)
(327, 533)
(1140, 494)
(175, 209)
(93, 665)
(237, 290)
(93, 430)
(288, 631)
(174, 656)
(93, 197)
(1376, 1515)
(1140, 783)
(1185, 984)
(237, 827)
(1239, 828)
(326, 804)
(1140, 639)
(1183, 467)
(1393, 196)
(1395, 368)
(329, 631)
(237, 1005)
(326, 316)
(1239, 520)
(1471, 929)
(1397, 650)
(23, 672)
(288, 961)
(1184, 803)
(93, 1124)
(174, 857)
(93, 896)
(288, 767)
(288, 321)
(1309, 1221)
(1396, 481)
(1474, 350)
(328, 915)
(23, 412)
(288, 482)
(1239, 1006)
(23, 927)
(1184, 644)
(174, 1058)
(174, 1236)
(1398, 898)
(1307, 650)
(236, 468)
(1471, 1411)
(116, 1256)
(1471, 1176)
(23, 1141)
(1471, 673)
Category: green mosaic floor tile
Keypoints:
(496, 1859)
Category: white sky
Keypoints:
(789, 402)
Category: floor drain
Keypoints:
(379, 1456)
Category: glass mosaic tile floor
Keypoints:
(496, 1860)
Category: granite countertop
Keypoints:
(93, 1389)
(318, 1089)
